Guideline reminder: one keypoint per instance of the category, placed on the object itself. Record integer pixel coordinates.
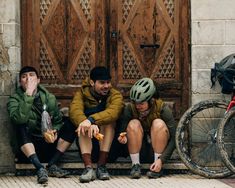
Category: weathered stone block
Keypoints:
(3, 108)
(14, 54)
(201, 83)
(230, 28)
(204, 57)
(5, 83)
(11, 35)
(208, 32)
(212, 9)
(1, 28)
(200, 97)
(7, 158)
(9, 11)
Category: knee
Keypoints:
(134, 126)
(108, 128)
(159, 126)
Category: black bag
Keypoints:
(216, 74)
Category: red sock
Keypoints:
(87, 159)
(103, 158)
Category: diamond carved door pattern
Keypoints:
(149, 44)
(66, 47)
(67, 44)
(64, 39)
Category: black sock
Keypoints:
(55, 158)
(35, 161)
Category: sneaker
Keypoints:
(87, 175)
(55, 171)
(42, 175)
(154, 175)
(135, 171)
(102, 173)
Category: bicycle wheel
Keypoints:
(196, 139)
(226, 139)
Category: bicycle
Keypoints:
(226, 136)
(198, 132)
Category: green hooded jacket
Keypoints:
(22, 111)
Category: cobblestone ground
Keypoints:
(171, 181)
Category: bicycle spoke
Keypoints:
(196, 138)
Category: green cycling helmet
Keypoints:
(142, 90)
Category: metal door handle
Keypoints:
(149, 45)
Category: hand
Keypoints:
(31, 86)
(83, 127)
(156, 166)
(94, 129)
(50, 136)
(122, 139)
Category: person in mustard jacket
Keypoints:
(95, 109)
(150, 129)
(26, 108)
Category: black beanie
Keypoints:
(100, 73)
(28, 69)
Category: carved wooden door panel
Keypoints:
(64, 39)
(149, 38)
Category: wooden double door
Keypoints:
(64, 39)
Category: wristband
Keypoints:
(91, 119)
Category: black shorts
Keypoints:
(43, 149)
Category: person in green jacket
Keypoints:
(150, 129)
(95, 109)
(25, 108)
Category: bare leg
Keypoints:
(159, 136)
(63, 145)
(134, 136)
(85, 144)
(28, 149)
(134, 142)
(108, 132)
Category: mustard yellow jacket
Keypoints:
(83, 99)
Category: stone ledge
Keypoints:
(119, 165)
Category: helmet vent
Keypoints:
(146, 90)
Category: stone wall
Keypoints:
(9, 66)
(213, 38)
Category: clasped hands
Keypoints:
(86, 127)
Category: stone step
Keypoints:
(171, 165)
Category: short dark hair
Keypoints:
(26, 69)
(100, 73)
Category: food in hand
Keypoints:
(122, 134)
(99, 136)
(49, 136)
